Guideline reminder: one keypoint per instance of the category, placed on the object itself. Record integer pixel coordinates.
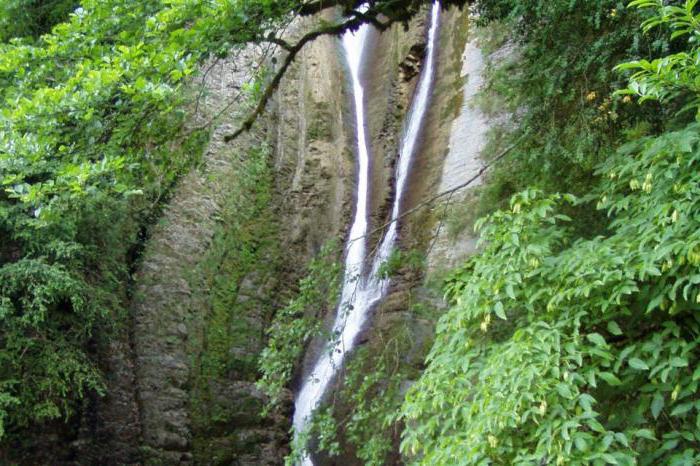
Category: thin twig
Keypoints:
(449, 192)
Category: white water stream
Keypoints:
(360, 293)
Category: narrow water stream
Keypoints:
(361, 291)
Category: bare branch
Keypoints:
(293, 51)
(401, 11)
(316, 6)
(277, 41)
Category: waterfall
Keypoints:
(360, 293)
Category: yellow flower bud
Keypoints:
(674, 393)
(493, 441)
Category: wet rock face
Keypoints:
(314, 158)
(411, 65)
(390, 77)
(410, 307)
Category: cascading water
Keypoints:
(358, 294)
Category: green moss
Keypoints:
(460, 215)
(299, 321)
(228, 330)
(319, 128)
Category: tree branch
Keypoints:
(313, 7)
(277, 41)
(293, 51)
(394, 10)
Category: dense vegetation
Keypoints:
(570, 341)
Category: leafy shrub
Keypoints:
(31, 18)
(562, 349)
(92, 138)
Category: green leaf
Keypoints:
(614, 328)
(622, 438)
(645, 433)
(679, 362)
(596, 338)
(657, 404)
(669, 445)
(499, 310)
(610, 378)
(636, 363)
(682, 409)
(595, 425)
(564, 390)
(586, 401)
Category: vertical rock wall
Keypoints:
(165, 301)
(178, 296)
(448, 154)
(391, 68)
(171, 400)
(314, 156)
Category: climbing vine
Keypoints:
(299, 321)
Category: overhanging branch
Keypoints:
(393, 10)
(355, 22)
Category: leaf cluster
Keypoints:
(92, 138)
(569, 350)
(298, 322)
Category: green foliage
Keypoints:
(398, 261)
(365, 412)
(31, 18)
(236, 275)
(323, 428)
(245, 245)
(373, 390)
(295, 324)
(51, 301)
(566, 350)
(673, 76)
(561, 85)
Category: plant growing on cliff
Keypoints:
(298, 322)
(561, 82)
(563, 349)
(573, 351)
(23, 18)
(412, 260)
(675, 76)
(373, 392)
